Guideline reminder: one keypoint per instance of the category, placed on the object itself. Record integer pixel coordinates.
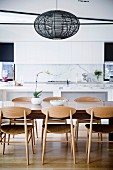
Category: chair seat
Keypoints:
(102, 128)
(58, 128)
(15, 129)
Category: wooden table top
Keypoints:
(36, 109)
(77, 105)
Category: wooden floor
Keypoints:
(58, 156)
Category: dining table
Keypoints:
(79, 106)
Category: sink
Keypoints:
(59, 82)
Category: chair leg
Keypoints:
(9, 138)
(87, 142)
(76, 130)
(32, 142)
(66, 133)
(36, 128)
(9, 134)
(1, 137)
(43, 121)
(73, 147)
(27, 148)
(44, 146)
(100, 134)
(4, 141)
(33, 132)
(89, 148)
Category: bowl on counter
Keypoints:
(57, 102)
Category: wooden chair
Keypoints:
(58, 112)
(47, 99)
(86, 99)
(22, 99)
(34, 122)
(99, 112)
(16, 113)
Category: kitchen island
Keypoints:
(103, 91)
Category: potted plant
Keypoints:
(98, 73)
(36, 97)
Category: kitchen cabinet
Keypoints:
(59, 52)
(73, 95)
(108, 51)
(87, 53)
(43, 52)
(10, 94)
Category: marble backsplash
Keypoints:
(27, 73)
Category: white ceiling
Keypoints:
(93, 8)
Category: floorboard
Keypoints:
(58, 156)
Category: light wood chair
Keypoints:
(47, 99)
(34, 122)
(105, 112)
(22, 99)
(86, 99)
(16, 113)
(58, 112)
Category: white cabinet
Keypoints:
(59, 52)
(74, 94)
(43, 52)
(87, 53)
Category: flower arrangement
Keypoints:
(98, 73)
(37, 94)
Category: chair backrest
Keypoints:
(87, 99)
(21, 99)
(13, 112)
(59, 111)
(101, 111)
(54, 98)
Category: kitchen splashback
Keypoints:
(27, 73)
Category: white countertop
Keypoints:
(62, 87)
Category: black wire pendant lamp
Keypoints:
(56, 24)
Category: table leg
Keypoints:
(111, 134)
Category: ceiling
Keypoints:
(92, 8)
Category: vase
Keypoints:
(36, 100)
(98, 79)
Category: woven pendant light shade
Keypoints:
(56, 24)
